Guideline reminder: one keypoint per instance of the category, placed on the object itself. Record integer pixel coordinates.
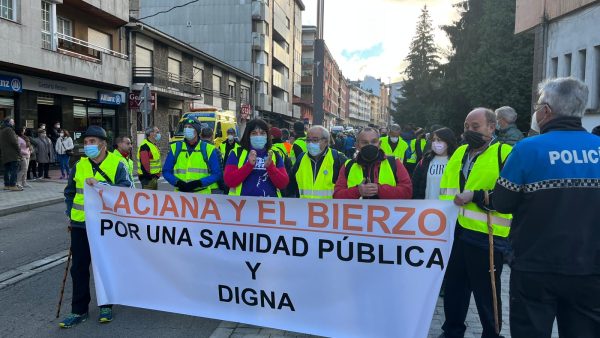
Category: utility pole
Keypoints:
(145, 104)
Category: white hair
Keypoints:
(323, 130)
(507, 113)
(566, 96)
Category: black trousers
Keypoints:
(537, 298)
(32, 169)
(469, 272)
(80, 271)
(43, 169)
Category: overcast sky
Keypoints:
(373, 37)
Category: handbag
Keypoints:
(68, 152)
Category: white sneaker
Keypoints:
(27, 185)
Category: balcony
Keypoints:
(263, 102)
(78, 48)
(162, 78)
(281, 107)
(260, 11)
(297, 89)
(280, 54)
(260, 42)
(280, 81)
(297, 111)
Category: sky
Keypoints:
(372, 37)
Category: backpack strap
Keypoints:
(500, 161)
(100, 171)
(392, 161)
(178, 147)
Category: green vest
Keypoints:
(301, 142)
(223, 146)
(127, 161)
(237, 191)
(280, 147)
(413, 150)
(400, 150)
(155, 165)
(483, 176)
(84, 170)
(192, 167)
(322, 186)
(386, 174)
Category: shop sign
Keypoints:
(134, 100)
(112, 98)
(11, 84)
(245, 113)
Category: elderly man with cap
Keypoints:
(148, 156)
(393, 144)
(231, 143)
(316, 171)
(98, 166)
(193, 165)
(299, 145)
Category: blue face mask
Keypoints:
(92, 151)
(258, 142)
(189, 133)
(313, 149)
(157, 137)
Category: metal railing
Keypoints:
(79, 46)
(163, 78)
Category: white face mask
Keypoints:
(62, 134)
(230, 137)
(534, 123)
(393, 139)
(439, 147)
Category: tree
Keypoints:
(422, 76)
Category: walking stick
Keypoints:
(64, 282)
(492, 267)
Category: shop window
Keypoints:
(88, 112)
(46, 99)
(8, 9)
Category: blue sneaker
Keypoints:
(105, 315)
(72, 320)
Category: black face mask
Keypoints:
(474, 139)
(369, 153)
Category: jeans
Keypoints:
(63, 159)
(10, 173)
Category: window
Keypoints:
(7, 9)
(245, 94)
(174, 69)
(582, 61)
(65, 26)
(99, 39)
(216, 83)
(287, 22)
(46, 32)
(143, 57)
(554, 69)
(197, 77)
(231, 89)
(568, 59)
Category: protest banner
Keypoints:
(338, 268)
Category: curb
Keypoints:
(30, 206)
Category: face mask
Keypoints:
(57, 126)
(157, 137)
(474, 139)
(439, 147)
(534, 123)
(62, 134)
(393, 139)
(258, 142)
(498, 126)
(313, 149)
(92, 151)
(43, 127)
(189, 133)
(369, 153)
(230, 137)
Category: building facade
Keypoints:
(567, 43)
(359, 106)
(67, 63)
(260, 37)
(180, 76)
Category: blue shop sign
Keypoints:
(113, 98)
(11, 84)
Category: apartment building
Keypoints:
(260, 37)
(567, 43)
(65, 61)
(359, 107)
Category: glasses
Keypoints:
(538, 106)
(315, 140)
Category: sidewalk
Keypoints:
(42, 193)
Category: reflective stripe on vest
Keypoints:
(483, 176)
(237, 191)
(320, 188)
(300, 142)
(155, 165)
(84, 170)
(192, 167)
(400, 150)
(386, 175)
(413, 150)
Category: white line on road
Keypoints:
(25, 271)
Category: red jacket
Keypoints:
(402, 190)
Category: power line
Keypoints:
(168, 10)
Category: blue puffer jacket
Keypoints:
(551, 185)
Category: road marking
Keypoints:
(31, 269)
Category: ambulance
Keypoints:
(208, 116)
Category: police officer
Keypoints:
(193, 165)
(148, 156)
(551, 183)
(98, 165)
(122, 150)
(393, 144)
(470, 174)
(299, 145)
(316, 171)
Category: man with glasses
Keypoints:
(551, 183)
(316, 171)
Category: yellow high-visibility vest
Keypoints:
(322, 187)
(400, 150)
(84, 170)
(386, 174)
(483, 176)
(413, 150)
(223, 146)
(155, 165)
(192, 167)
(127, 161)
(300, 142)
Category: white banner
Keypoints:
(338, 268)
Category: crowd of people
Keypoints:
(530, 196)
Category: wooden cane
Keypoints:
(64, 282)
(492, 268)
